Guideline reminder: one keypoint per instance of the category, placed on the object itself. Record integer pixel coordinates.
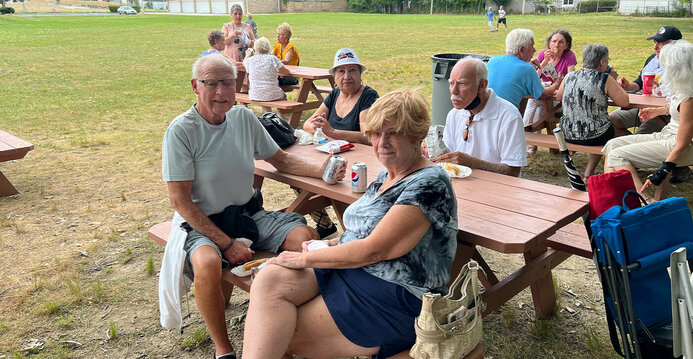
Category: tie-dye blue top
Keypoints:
(427, 266)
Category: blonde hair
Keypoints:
(262, 45)
(285, 28)
(407, 108)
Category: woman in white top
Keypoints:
(263, 69)
(672, 146)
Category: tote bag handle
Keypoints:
(625, 206)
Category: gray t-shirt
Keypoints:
(427, 266)
(219, 159)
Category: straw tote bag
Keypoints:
(449, 327)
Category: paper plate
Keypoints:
(239, 272)
(456, 171)
(336, 145)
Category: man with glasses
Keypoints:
(483, 131)
(207, 163)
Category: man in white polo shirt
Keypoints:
(483, 131)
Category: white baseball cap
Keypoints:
(346, 56)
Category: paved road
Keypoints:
(69, 14)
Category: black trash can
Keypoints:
(442, 66)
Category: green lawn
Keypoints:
(95, 94)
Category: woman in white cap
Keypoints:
(238, 36)
(344, 110)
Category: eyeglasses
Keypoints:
(390, 135)
(465, 133)
(212, 84)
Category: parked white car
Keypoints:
(126, 10)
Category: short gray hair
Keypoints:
(677, 60)
(518, 38)
(235, 7)
(215, 36)
(212, 60)
(480, 69)
(593, 55)
(262, 45)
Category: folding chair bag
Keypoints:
(646, 235)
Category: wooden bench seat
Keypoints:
(571, 239)
(283, 107)
(549, 141)
(11, 148)
(322, 89)
(159, 234)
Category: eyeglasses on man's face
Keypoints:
(212, 84)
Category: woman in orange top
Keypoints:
(285, 51)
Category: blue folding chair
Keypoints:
(634, 276)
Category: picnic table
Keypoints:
(307, 85)
(505, 214)
(550, 119)
(11, 148)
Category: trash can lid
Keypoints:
(454, 57)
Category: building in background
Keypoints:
(255, 6)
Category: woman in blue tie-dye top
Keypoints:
(360, 296)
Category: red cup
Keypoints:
(647, 83)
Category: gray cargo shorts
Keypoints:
(272, 226)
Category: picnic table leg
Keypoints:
(6, 188)
(339, 208)
(257, 181)
(303, 92)
(543, 293)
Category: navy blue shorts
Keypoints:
(369, 311)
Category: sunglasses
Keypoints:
(465, 133)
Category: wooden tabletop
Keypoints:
(312, 73)
(13, 148)
(507, 214)
(644, 101)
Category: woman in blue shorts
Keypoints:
(361, 295)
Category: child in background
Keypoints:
(216, 40)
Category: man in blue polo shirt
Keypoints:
(511, 76)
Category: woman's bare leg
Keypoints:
(274, 297)
(317, 335)
(592, 163)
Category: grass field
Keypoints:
(95, 94)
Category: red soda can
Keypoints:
(330, 174)
(359, 177)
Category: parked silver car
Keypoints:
(126, 10)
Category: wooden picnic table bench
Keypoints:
(11, 148)
(291, 110)
(549, 141)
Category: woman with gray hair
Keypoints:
(263, 69)
(238, 36)
(585, 95)
(672, 146)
